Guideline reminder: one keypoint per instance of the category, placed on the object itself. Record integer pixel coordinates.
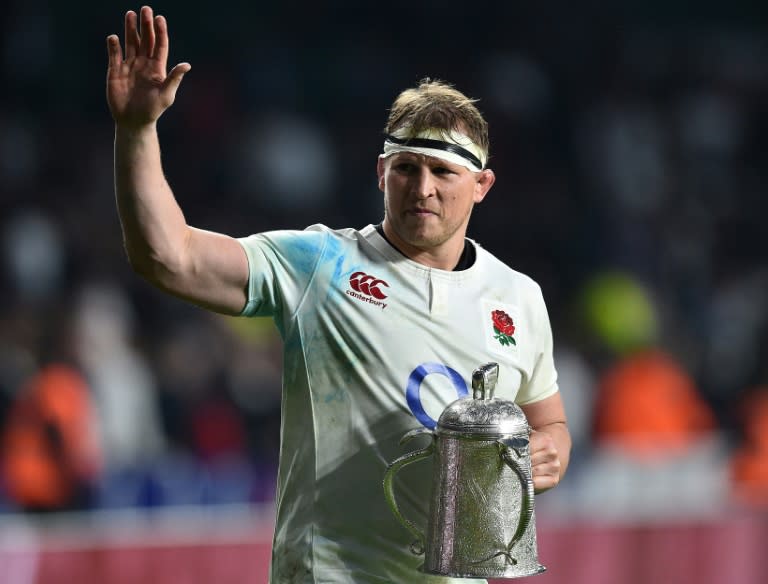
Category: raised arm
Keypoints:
(208, 269)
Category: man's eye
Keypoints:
(404, 167)
(442, 170)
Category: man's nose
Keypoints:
(424, 183)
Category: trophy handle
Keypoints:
(418, 546)
(520, 446)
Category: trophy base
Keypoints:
(477, 572)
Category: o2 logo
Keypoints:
(413, 389)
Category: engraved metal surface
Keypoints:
(493, 417)
(481, 521)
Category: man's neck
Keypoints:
(443, 259)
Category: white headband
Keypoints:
(451, 146)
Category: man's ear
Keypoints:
(380, 172)
(485, 181)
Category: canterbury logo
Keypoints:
(368, 285)
(366, 288)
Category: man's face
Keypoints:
(428, 201)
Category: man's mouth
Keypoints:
(421, 212)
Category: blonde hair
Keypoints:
(437, 104)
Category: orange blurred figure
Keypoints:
(649, 407)
(749, 465)
(50, 455)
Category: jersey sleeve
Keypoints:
(281, 266)
(543, 380)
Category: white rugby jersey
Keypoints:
(375, 345)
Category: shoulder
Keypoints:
(504, 275)
(303, 246)
(346, 234)
(308, 240)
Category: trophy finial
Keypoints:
(484, 380)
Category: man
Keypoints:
(382, 327)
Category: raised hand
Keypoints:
(139, 89)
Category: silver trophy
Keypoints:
(481, 521)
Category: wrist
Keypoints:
(135, 131)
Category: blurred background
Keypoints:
(139, 435)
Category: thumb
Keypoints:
(174, 78)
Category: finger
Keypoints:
(147, 32)
(543, 483)
(549, 469)
(161, 42)
(541, 441)
(172, 82)
(176, 74)
(132, 39)
(114, 52)
(545, 477)
(546, 473)
(545, 456)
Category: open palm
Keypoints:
(138, 88)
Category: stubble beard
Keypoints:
(419, 237)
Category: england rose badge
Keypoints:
(503, 328)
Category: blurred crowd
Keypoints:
(631, 168)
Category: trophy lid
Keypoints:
(483, 415)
